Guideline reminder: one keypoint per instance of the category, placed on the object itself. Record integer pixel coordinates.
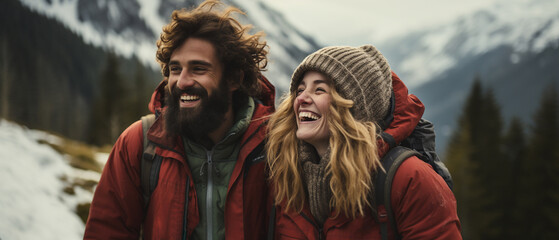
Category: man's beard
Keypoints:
(201, 120)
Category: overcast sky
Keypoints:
(346, 22)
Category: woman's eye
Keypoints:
(299, 91)
(320, 89)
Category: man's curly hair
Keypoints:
(238, 51)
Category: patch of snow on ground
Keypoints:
(33, 204)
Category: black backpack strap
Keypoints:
(150, 162)
(272, 222)
(185, 216)
(389, 139)
(383, 186)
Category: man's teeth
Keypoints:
(308, 116)
(189, 97)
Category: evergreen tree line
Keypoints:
(506, 181)
(51, 80)
(119, 102)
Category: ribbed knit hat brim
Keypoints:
(360, 74)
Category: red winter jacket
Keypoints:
(424, 206)
(117, 210)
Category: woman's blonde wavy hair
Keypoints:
(353, 158)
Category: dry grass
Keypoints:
(82, 210)
(80, 155)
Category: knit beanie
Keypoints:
(360, 74)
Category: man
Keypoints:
(209, 133)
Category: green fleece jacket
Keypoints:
(211, 170)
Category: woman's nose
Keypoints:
(303, 98)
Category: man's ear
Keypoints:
(235, 85)
(167, 85)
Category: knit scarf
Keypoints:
(317, 183)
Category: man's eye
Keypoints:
(199, 69)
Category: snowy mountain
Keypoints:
(39, 196)
(131, 27)
(512, 47)
(527, 26)
(437, 64)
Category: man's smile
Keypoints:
(188, 100)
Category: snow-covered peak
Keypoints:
(113, 30)
(273, 23)
(131, 28)
(525, 25)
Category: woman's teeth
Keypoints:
(308, 116)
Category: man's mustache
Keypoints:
(200, 91)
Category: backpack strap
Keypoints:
(150, 162)
(272, 222)
(383, 186)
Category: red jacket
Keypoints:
(117, 210)
(424, 206)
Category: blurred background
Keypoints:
(75, 73)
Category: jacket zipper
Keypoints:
(210, 187)
(209, 196)
(185, 217)
(320, 229)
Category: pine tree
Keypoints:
(490, 166)
(461, 169)
(476, 161)
(459, 156)
(515, 150)
(109, 105)
(141, 92)
(542, 191)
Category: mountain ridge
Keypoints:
(434, 61)
(131, 28)
(512, 48)
(528, 26)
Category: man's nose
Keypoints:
(185, 80)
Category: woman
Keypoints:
(324, 151)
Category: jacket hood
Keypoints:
(265, 97)
(405, 113)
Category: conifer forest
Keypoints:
(505, 171)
